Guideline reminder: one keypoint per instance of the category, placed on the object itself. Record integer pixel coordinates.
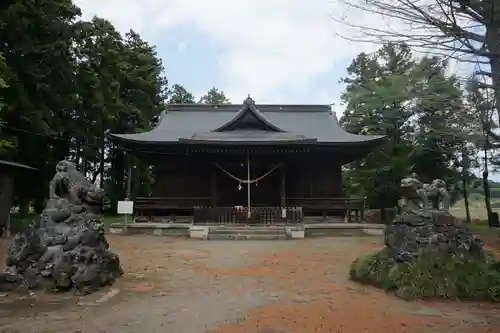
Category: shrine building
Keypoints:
(235, 163)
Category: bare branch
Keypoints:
(482, 72)
(444, 23)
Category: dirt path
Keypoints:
(186, 286)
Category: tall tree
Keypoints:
(101, 62)
(455, 28)
(438, 103)
(143, 93)
(391, 93)
(482, 106)
(37, 38)
(375, 99)
(214, 96)
(122, 90)
(5, 144)
(179, 95)
(65, 84)
(3, 72)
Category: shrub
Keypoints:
(431, 276)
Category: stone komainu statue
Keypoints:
(72, 185)
(418, 194)
(436, 189)
(65, 248)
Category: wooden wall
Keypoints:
(197, 176)
(181, 176)
(315, 177)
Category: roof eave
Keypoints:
(369, 141)
(11, 164)
(249, 142)
(122, 138)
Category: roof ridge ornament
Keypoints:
(249, 100)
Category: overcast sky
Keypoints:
(282, 51)
(278, 51)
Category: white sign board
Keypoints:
(125, 207)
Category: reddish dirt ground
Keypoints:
(175, 285)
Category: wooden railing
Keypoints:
(239, 215)
(148, 207)
(156, 206)
(353, 207)
(170, 202)
(332, 203)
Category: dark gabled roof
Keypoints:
(248, 123)
(249, 116)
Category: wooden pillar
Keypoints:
(214, 186)
(185, 173)
(310, 181)
(309, 169)
(362, 212)
(128, 192)
(283, 187)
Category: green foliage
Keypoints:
(69, 84)
(122, 90)
(179, 95)
(415, 104)
(65, 84)
(431, 276)
(214, 96)
(39, 67)
(5, 146)
(3, 73)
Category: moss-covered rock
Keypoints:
(450, 275)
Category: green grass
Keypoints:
(478, 216)
(431, 276)
(476, 207)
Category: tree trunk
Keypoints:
(493, 43)
(465, 184)
(24, 206)
(495, 80)
(486, 186)
(118, 171)
(85, 166)
(128, 193)
(465, 193)
(383, 215)
(78, 154)
(101, 162)
(39, 204)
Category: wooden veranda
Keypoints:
(202, 212)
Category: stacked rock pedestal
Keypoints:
(435, 231)
(429, 253)
(420, 227)
(66, 247)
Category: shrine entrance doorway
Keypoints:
(248, 183)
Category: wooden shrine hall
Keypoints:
(248, 163)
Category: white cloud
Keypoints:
(181, 46)
(268, 48)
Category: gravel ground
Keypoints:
(187, 286)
